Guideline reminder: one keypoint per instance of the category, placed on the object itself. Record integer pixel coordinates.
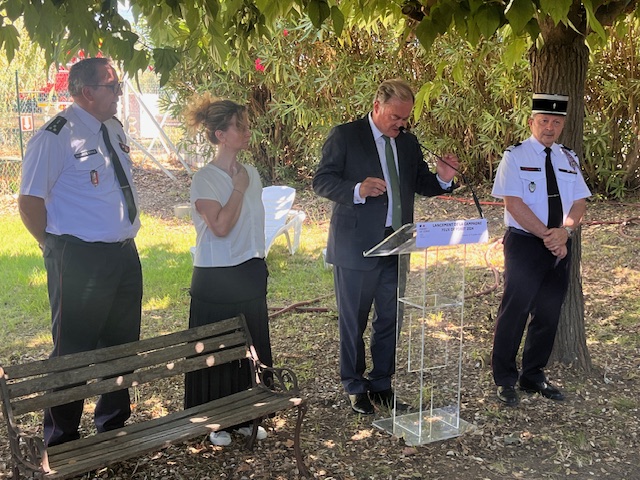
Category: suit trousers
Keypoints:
(534, 285)
(356, 291)
(95, 292)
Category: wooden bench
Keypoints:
(34, 386)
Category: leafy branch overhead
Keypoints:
(228, 31)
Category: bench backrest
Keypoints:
(82, 375)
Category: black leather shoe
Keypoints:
(360, 403)
(544, 388)
(508, 396)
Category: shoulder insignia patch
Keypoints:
(56, 125)
(564, 147)
(568, 153)
(510, 148)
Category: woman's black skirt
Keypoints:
(218, 293)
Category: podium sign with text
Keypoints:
(456, 232)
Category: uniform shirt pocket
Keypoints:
(534, 186)
(90, 173)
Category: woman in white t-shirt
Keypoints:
(230, 273)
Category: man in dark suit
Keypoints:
(371, 169)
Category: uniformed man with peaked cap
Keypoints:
(545, 199)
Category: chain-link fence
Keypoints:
(154, 134)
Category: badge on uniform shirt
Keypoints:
(532, 187)
(93, 174)
(86, 153)
(123, 146)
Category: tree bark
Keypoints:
(560, 66)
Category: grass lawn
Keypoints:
(593, 434)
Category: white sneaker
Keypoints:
(221, 439)
(246, 431)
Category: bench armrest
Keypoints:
(281, 379)
(28, 452)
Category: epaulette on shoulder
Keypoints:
(56, 125)
(117, 120)
(512, 147)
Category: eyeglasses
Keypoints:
(116, 88)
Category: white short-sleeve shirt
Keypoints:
(67, 164)
(521, 173)
(246, 239)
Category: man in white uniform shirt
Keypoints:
(545, 199)
(78, 201)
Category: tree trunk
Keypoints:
(560, 66)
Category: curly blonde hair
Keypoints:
(214, 114)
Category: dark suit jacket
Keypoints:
(348, 157)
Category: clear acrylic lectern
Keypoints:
(431, 273)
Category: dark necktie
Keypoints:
(122, 178)
(555, 204)
(396, 214)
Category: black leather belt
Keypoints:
(78, 241)
(520, 232)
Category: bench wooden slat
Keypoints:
(176, 428)
(140, 377)
(77, 360)
(226, 403)
(98, 370)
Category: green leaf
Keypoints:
(193, 18)
(426, 33)
(138, 62)
(338, 20)
(515, 49)
(9, 40)
(458, 71)
(518, 13)
(423, 99)
(13, 9)
(472, 32)
(212, 7)
(441, 17)
(556, 9)
(474, 5)
(533, 28)
(164, 60)
(460, 20)
(592, 21)
(318, 11)
(488, 20)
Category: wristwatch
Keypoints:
(569, 231)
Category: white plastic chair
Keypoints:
(279, 218)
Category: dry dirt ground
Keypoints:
(594, 434)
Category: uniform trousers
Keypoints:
(535, 285)
(95, 293)
(356, 291)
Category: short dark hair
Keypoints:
(85, 72)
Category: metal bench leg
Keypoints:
(302, 409)
(251, 440)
